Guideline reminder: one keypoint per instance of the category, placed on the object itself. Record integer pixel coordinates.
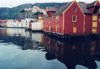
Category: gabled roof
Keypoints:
(19, 21)
(1, 21)
(91, 4)
(53, 9)
(83, 7)
(62, 9)
(40, 15)
(15, 20)
(45, 17)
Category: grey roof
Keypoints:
(45, 17)
(83, 7)
(62, 9)
(91, 4)
(52, 9)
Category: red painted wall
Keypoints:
(88, 24)
(91, 9)
(50, 13)
(68, 24)
(1, 24)
(68, 20)
(97, 4)
(98, 26)
(29, 24)
(53, 22)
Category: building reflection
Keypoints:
(71, 52)
(75, 51)
(24, 39)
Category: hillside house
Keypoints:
(38, 9)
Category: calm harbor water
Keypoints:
(20, 49)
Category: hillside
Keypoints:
(10, 13)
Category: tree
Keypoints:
(23, 11)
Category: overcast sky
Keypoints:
(13, 3)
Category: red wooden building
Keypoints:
(73, 19)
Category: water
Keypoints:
(20, 49)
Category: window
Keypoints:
(74, 9)
(52, 26)
(94, 17)
(49, 20)
(52, 18)
(58, 25)
(26, 22)
(94, 30)
(57, 18)
(74, 18)
(74, 29)
(49, 28)
(94, 24)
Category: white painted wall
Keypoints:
(8, 23)
(11, 23)
(36, 26)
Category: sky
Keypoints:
(14, 3)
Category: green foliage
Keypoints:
(23, 11)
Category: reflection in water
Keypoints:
(20, 37)
(74, 53)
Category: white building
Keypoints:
(38, 9)
(22, 23)
(8, 23)
(26, 22)
(15, 23)
(19, 24)
(36, 26)
(11, 23)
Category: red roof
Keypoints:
(31, 21)
(40, 15)
(15, 20)
(1, 21)
(19, 21)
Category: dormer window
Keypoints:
(57, 18)
(74, 9)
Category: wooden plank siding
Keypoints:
(74, 19)
(69, 23)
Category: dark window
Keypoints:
(74, 9)
(74, 18)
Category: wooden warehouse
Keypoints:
(73, 19)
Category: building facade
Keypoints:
(73, 19)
